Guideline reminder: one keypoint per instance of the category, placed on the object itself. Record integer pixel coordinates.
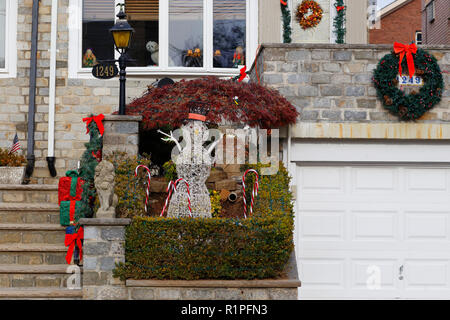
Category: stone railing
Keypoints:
(331, 87)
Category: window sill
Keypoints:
(156, 72)
(6, 74)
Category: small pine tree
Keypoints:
(88, 163)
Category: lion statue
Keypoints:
(104, 184)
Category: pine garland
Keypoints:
(88, 163)
(339, 21)
(286, 16)
(409, 106)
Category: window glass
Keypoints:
(229, 33)
(98, 18)
(143, 16)
(186, 33)
(2, 32)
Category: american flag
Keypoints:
(16, 144)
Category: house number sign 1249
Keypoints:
(105, 70)
(407, 81)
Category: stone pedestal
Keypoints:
(121, 134)
(104, 246)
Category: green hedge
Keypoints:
(215, 248)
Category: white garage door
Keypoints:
(373, 231)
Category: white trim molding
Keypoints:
(75, 43)
(10, 69)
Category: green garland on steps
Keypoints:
(339, 21)
(409, 106)
(286, 16)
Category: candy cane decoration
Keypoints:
(254, 191)
(147, 192)
(170, 188)
(188, 193)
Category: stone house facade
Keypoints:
(400, 21)
(62, 82)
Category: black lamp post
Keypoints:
(122, 33)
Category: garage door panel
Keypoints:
(370, 180)
(375, 225)
(323, 180)
(426, 179)
(322, 273)
(319, 225)
(354, 218)
(426, 226)
(426, 273)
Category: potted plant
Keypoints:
(12, 167)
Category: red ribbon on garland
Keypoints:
(407, 49)
(284, 3)
(98, 120)
(71, 240)
(339, 8)
(243, 74)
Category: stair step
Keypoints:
(35, 269)
(27, 276)
(32, 248)
(40, 293)
(32, 254)
(32, 193)
(29, 213)
(35, 234)
(31, 226)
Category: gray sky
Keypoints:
(383, 3)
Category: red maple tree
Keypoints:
(257, 106)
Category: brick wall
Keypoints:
(438, 31)
(333, 83)
(399, 25)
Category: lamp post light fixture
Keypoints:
(122, 33)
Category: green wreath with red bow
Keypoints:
(418, 62)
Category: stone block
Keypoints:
(142, 293)
(112, 293)
(228, 294)
(330, 90)
(197, 294)
(320, 55)
(321, 103)
(283, 293)
(331, 67)
(168, 294)
(363, 55)
(89, 263)
(287, 67)
(308, 91)
(355, 91)
(309, 115)
(366, 103)
(91, 233)
(113, 233)
(344, 55)
(96, 248)
(321, 78)
(296, 55)
(355, 115)
(272, 78)
(255, 294)
(107, 263)
(298, 78)
(332, 115)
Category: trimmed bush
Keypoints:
(215, 248)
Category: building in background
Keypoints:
(436, 21)
(400, 21)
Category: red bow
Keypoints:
(339, 8)
(98, 120)
(71, 240)
(407, 49)
(243, 74)
(284, 3)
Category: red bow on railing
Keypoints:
(284, 3)
(98, 120)
(339, 8)
(407, 49)
(71, 240)
(243, 74)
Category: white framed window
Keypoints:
(172, 37)
(418, 37)
(8, 37)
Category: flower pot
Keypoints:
(12, 175)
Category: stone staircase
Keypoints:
(32, 251)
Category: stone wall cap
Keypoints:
(105, 222)
(268, 283)
(116, 117)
